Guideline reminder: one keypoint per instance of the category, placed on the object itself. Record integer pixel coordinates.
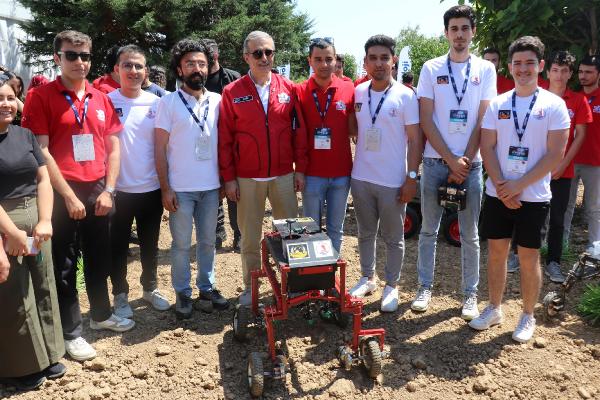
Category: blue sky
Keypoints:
(352, 22)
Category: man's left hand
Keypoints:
(408, 191)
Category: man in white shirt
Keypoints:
(187, 165)
(524, 134)
(388, 154)
(454, 91)
(138, 190)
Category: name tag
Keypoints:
(322, 139)
(373, 139)
(202, 148)
(517, 159)
(83, 147)
(243, 99)
(458, 122)
(284, 98)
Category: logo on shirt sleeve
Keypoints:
(284, 98)
(442, 80)
(151, 114)
(357, 107)
(571, 113)
(539, 113)
(100, 115)
(243, 99)
(340, 106)
(475, 80)
(119, 112)
(503, 114)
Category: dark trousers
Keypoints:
(558, 206)
(90, 236)
(232, 212)
(147, 210)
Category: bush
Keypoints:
(589, 306)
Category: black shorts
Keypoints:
(499, 221)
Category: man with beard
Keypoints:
(454, 91)
(327, 101)
(261, 138)
(587, 160)
(186, 138)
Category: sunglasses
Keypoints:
(73, 55)
(328, 40)
(258, 54)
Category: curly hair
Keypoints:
(188, 45)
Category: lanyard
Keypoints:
(80, 120)
(591, 99)
(374, 116)
(521, 132)
(464, 88)
(193, 114)
(327, 104)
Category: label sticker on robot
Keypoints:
(297, 251)
(323, 248)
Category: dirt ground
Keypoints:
(433, 355)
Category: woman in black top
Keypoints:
(31, 336)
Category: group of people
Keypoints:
(85, 164)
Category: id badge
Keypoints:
(83, 147)
(322, 139)
(373, 139)
(517, 159)
(458, 122)
(203, 148)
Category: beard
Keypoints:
(195, 81)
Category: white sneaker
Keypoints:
(157, 300)
(525, 328)
(363, 287)
(113, 323)
(121, 306)
(421, 302)
(245, 298)
(389, 299)
(79, 349)
(469, 309)
(489, 316)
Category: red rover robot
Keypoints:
(307, 264)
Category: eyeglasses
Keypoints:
(258, 54)
(192, 64)
(127, 66)
(73, 55)
(328, 40)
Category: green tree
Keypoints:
(350, 66)
(156, 25)
(422, 48)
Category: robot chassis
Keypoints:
(307, 264)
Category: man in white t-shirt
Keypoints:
(187, 164)
(454, 91)
(524, 134)
(138, 190)
(388, 154)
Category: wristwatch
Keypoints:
(110, 190)
(412, 174)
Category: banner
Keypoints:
(284, 70)
(404, 63)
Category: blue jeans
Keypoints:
(199, 208)
(434, 175)
(333, 192)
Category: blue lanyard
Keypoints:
(327, 104)
(521, 131)
(591, 99)
(193, 114)
(464, 88)
(80, 120)
(374, 116)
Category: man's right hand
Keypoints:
(460, 167)
(169, 200)
(4, 264)
(232, 190)
(75, 207)
(16, 243)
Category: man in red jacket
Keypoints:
(262, 140)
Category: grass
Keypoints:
(589, 305)
(80, 277)
(569, 256)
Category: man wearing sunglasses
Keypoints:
(327, 102)
(76, 126)
(262, 141)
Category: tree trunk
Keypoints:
(593, 31)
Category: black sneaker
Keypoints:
(218, 243)
(215, 298)
(25, 383)
(183, 306)
(55, 371)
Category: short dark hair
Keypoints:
(527, 43)
(561, 58)
(407, 77)
(188, 45)
(73, 37)
(381, 40)
(158, 75)
(321, 43)
(212, 47)
(591, 60)
(112, 58)
(462, 11)
(129, 48)
(340, 58)
(5, 78)
(491, 50)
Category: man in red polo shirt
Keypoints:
(339, 68)
(562, 65)
(587, 160)
(503, 84)
(76, 126)
(110, 80)
(326, 102)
